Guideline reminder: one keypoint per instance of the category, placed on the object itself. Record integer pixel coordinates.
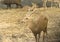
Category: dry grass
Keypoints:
(11, 22)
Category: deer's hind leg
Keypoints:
(45, 34)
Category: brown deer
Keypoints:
(37, 25)
(9, 2)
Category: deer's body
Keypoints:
(38, 25)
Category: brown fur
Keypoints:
(37, 25)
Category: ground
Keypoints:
(11, 24)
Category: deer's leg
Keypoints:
(36, 37)
(39, 37)
(45, 31)
(45, 34)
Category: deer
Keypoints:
(36, 22)
(37, 25)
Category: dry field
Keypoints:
(11, 24)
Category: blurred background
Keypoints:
(12, 29)
(40, 3)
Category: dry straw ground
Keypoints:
(11, 24)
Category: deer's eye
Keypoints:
(26, 18)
